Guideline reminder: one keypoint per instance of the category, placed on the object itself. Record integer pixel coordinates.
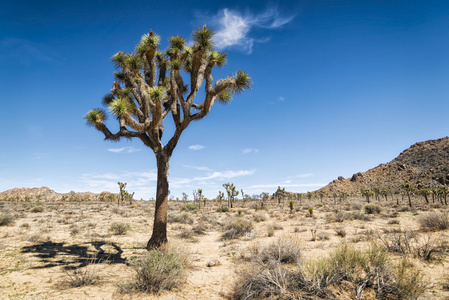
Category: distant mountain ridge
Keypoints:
(424, 165)
(47, 194)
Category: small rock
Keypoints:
(213, 263)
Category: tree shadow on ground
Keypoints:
(74, 256)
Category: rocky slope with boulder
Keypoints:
(46, 194)
(423, 165)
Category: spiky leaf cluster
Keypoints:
(150, 86)
(95, 117)
(121, 107)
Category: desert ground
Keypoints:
(72, 250)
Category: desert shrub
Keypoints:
(338, 216)
(183, 218)
(259, 216)
(158, 270)
(199, 228)
(37, 208)
(81, 277)
(223, 209)
(393, 222)
(340, 231)
(310, 210)
(408, 281)
(369, 268)
(74, 230)
(237, 227)
(357, 206)
(372, 209)
(360, 216)
(410, 244)
(186, 234)
(118, 228)
(117, 210)
(283, 250)
(6, 219)
(434, 221)
(190, 207)
(269, 281)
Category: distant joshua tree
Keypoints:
(408, 189)
(232, 193)
(367, 193)
(142, 98)
(122, 186)
(425, 193)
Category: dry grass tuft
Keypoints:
(156, 271)
(434, 221)
(237, 227)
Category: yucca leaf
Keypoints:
(242, 81)
(203, 37)
(156, 93)
(177, 42)
(225, 97)
(217, 57)
(120, 107)
(95, 117)
(119, 59)
(175, 64)
(127, 91)
(147, 42)
(107, 99)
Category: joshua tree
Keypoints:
(150, 86)
(232, 192)
(443, 191)
(122, 186)
(367, 193)
(376, 191)
(321, 194)
(408, 188)
(200, 197)
(220, 197)
(196, 196)
(185, 197)
(425, 193)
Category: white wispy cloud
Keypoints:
(209, 179)
(124, 150)
(199, 168)
(249, 150)
(196, 147)
(234, 28)
(288, 185)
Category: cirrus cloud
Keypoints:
(233, 29)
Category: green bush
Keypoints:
(190, 207)
(36, 209)
(183, 218)
(157, 271)
(372, 209)
(434, 221)
(119, 228)
(237, 227)
(6, 219)
(361, 269)
(223, 209)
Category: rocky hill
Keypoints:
(424, 165)
(46, 194)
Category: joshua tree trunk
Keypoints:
(159, 235)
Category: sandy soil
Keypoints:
(40, 250)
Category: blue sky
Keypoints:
(339, 87)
